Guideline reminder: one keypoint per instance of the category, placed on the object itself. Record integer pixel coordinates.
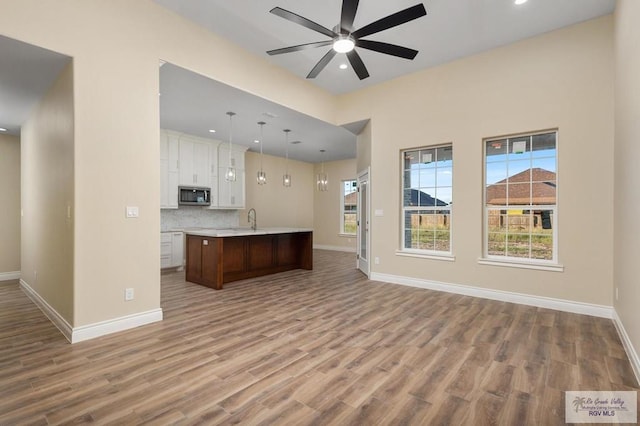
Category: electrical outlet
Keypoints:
(128, 294)
(376, 260)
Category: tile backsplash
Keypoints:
(197, 217)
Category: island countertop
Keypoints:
(242, 231)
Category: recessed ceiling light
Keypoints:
(256, 141)
(343, 66)
(520, 1)
(212, 131)
(2, 129)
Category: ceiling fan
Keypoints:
(344, 38)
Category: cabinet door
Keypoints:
(169, 170)
(173, 153)
(201, 163)
(187, 176)
(194, 259)
(172, 201)
(164, 145)
(164, 184)
(236, 200)
(177, 252)
(213, 174)
(165, 250)
(231, 194)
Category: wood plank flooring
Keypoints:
(308, 347)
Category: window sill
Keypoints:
(347, 235)
(445, 257)
(529, 265)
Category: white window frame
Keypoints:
(524, 262)
(342, 207)
(424, 253)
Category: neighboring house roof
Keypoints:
(543, 188)
(422, 199)
(351, 199)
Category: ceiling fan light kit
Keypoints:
(344, 44)
(345, 40)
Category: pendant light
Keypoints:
(261, 176)
(286, 178)
(230, 175)
(323, 180)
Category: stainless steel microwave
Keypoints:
(194, 196)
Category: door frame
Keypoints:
(364, 262)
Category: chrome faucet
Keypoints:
(254, 223)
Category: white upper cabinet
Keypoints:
(169, 166)
(213, 176)
(187, 160)
(194, 161)
(231, 194)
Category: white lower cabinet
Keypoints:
(171, 250)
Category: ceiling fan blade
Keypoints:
(357, 64)
(300, 20)
(391, 21)
(322, 63)
(349, 8)
(299, 47)
(387, 48)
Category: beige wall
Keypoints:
(564, 80)
(116, 46)
(326, 224)
(276, 205)
(10, 206)
(47, 197)
(627, 172)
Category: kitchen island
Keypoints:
(218, 256)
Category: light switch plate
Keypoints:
(132, 211)
(379, 212)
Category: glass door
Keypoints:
(363, 222)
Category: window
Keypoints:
(426, 199)
(520, 198)
(349, 207)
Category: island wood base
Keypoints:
(213, 261)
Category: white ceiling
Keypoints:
(194, 104)
(452, 29)
(26, 72)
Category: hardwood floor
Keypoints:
(308, 347)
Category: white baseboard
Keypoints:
(103, 328)
(53, 315)
(91, 331)
(628, 346)
(504, 296)
(335, 248)
(8, 276)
